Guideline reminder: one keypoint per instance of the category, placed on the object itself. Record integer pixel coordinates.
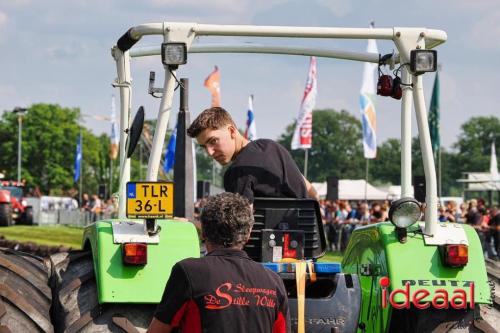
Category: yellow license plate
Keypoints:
(150, 200)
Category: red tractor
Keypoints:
(22, 213)
(5, 207)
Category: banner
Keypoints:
(212, 82)
(367, 105)
(78, 159)
(113, 150)
(251, 130)
(168, 163)
(434, 117)
(494, 165)
(302, 136)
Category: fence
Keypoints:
(62, 210)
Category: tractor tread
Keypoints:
(25, 296)
(76, 307)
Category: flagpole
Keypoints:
(305, 162)
(110, 177)
(366, 180)
(439, 172)
(80, 166)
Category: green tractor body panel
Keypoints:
(374, 252)
(119, 283)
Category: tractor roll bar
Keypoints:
(134, 34)
(259, 48)
(405, 39)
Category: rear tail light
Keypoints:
(135, 254)
(456, 255)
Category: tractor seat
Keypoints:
(293, 224)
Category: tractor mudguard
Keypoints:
(375, 252)
(119, 283)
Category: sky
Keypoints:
(58, 51)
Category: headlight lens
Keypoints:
(173, 54)
(422, 61)
(404, 212)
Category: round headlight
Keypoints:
(404, 212)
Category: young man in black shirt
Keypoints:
(260, 168)
(225, 291)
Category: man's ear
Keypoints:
(232, 131)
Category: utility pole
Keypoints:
(20, 113)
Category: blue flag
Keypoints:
(78, 158)
(168, 163)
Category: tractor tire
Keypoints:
(27, 217)
(25, 295)
(5, 215)
(76, 307)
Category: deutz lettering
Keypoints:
(437, 283)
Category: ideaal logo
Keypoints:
(440, 300)
(227, 294)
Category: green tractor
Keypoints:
(403, 276)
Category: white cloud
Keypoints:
(3, 18)
(18, 3)
(339, 8)
(486, 31)
(476, 5)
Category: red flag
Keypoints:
(212, 82)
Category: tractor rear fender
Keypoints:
(375, 252)
(119, 283)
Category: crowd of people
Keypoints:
(96, 208)
(340, 218)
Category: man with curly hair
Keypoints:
(225, 291)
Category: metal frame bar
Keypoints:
(405, 39)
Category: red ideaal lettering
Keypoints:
(224, 299)
(442, 296)
(439, 301)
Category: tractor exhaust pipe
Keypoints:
(183, 166)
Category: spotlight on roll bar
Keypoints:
(422, 61)
(173, 54)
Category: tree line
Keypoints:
(50, 134)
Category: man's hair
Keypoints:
(213, 118)
(226, 220)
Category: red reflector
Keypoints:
(135, 253)
(456, 255)
(288, 252)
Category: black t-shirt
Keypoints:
(225, 291)
(263, 168)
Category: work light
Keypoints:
(404, 212)
(173, 54)
(422, 61)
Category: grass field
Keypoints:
(52, 235)
(55, 235)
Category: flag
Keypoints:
(302, 136)
(493, 164)
(434, 116)
(367, 105)
(78, 158)
(168, 163)
(113, 150)
(212, 82)
(251, 130)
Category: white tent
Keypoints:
(353, 189)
